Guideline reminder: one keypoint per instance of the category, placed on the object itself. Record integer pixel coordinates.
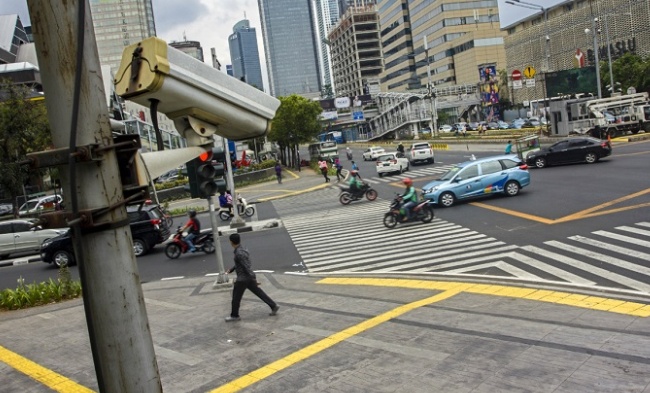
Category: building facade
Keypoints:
(12, 37)
(192, 48)
(244, 54)
(327, 15)
(462, 39)
(120, 23)
(290, 44)
(561, 42)
(356, 50)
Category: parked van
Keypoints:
(38, 205)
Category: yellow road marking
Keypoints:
(319, 346)
(49, 378)
(566, 298)
(291, 193)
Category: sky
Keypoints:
(210, 21)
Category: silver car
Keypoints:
(22, 236)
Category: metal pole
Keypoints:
(596, 59)
(222, 278)
(609, 58)
(236, 221)
(432, 122)
(118, 328)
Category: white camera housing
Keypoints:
(190, 92)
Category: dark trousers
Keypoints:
(339, 176)
(238, 293)
(324, 172)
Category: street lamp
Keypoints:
(431, 92)
(596, 59)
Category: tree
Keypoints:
(24, 128)
(629, 70)
(296, 121)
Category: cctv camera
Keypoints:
(194, 95)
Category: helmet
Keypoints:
(192, 213)
(407, 181)
(353, 172)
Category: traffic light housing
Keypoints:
(205, 176)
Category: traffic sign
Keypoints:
(529, 72)
(516, 75)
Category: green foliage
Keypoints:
(24, 128)
(296, 121)
(263, 165)
(171, 184)
(629, 70)
(32, 295)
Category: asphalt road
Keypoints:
(561, 201)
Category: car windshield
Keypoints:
(451, 173)
(386, 157)
(30, 205)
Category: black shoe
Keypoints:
(274, 310)
(233, 319)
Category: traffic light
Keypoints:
(205, 176)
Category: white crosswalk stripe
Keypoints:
(332, 238)
(411, 173)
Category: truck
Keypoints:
(601, 117)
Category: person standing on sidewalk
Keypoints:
(246, 279)
(278, 172)
(322, 164)
(509, 147)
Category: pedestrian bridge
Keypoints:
(410, 112)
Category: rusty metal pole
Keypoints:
(118, 328)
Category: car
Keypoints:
(472, 126)
(372, 153)
(503, 174)
(517, 123)
(572, 150)
(6, 208)
(38, 205)
(22, 236)
(493, 125)
(445, 128)
(528, 124)
(503, 125)
(391, 163)
(146, 231)
(421, 152)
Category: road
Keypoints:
(584, 225)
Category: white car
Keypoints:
(22, 236)
(38, 205)
(421, 152)
(372, 153)
(391, 163)
(445, 128)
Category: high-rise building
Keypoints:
(12, 36)
(327, 15)
(343, 5)
(290, 43)
(462, 38)
(244, 54)
(192, 48)
(120, 23)
(229, 70)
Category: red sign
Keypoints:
(516, 75)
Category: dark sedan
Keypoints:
(578, 149)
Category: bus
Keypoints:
(336, 136)
(327, 150)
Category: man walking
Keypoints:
(246, 279)
(278, 172)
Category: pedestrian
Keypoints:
(278, 172)
(355, 169)
(339, 167)
(322, 164)
(246, 279)
(509, 147)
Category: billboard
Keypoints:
(577, 80)
(489, 84)
(345, 102)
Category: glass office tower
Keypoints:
(244, 54)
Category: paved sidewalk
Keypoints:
(352, 335)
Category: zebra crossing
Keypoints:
(332, 238)
(411, 173)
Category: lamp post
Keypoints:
(431, 92)
(596, 59)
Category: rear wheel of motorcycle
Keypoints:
(371, 195)
(345, 198)
(224, 216)
(250, 210)
(208, 247)
(390, 220)
(173, 251)
(427, 213)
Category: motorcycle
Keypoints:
(349, 154)
(242, 208)
(204, 242)
(346, 196)
(423, 211)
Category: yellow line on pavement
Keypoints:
(582, 213)
(49, 378)
(291, 193)
(556, 297)
(515, 213)
(321, 345)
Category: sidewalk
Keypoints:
(351, 335)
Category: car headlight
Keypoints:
(46, 244)
(430, 190)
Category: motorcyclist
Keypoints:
(400, 148)
(354, 182)
(194, 229)
(409, 198)
(348, 152)
(225, 202)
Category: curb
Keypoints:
(20, 261)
